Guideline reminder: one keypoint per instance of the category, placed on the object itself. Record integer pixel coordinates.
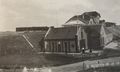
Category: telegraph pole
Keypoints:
(78, 33)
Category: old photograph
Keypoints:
(59, 36)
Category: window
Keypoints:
(102, 41)
(53, 47)
(59, 43)
(66, 47)
(72, 45)
(59, 46)
(81, 35)
(82, 43)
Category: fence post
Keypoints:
(83, 66)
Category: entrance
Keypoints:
(82, 44)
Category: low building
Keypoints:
(62, 39)
(24, 29)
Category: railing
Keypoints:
(97, 65)
(36, 69)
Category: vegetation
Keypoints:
(36, 38)
(13, 44)
(14, 50)
(36, 60)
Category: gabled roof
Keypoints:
(84, 18)
(77, 18)
(62, 33)
(92, 14)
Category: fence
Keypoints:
(36, 69)
(97, 65)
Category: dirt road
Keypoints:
(81, 65)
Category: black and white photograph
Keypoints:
(59, 35)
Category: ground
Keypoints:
(104, 69)
(37, 60)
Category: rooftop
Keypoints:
(83, 18)
(62, 33)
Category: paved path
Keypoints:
(79, 66)
(69, 68)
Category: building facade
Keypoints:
(62, 39)
(79, 32)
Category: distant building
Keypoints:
(109, 24)
(84, 31)
(23, 29)
(86, 18)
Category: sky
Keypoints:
(28, 13)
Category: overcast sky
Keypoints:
(21, 13)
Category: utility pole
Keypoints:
(78, 47)
(15, 67)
